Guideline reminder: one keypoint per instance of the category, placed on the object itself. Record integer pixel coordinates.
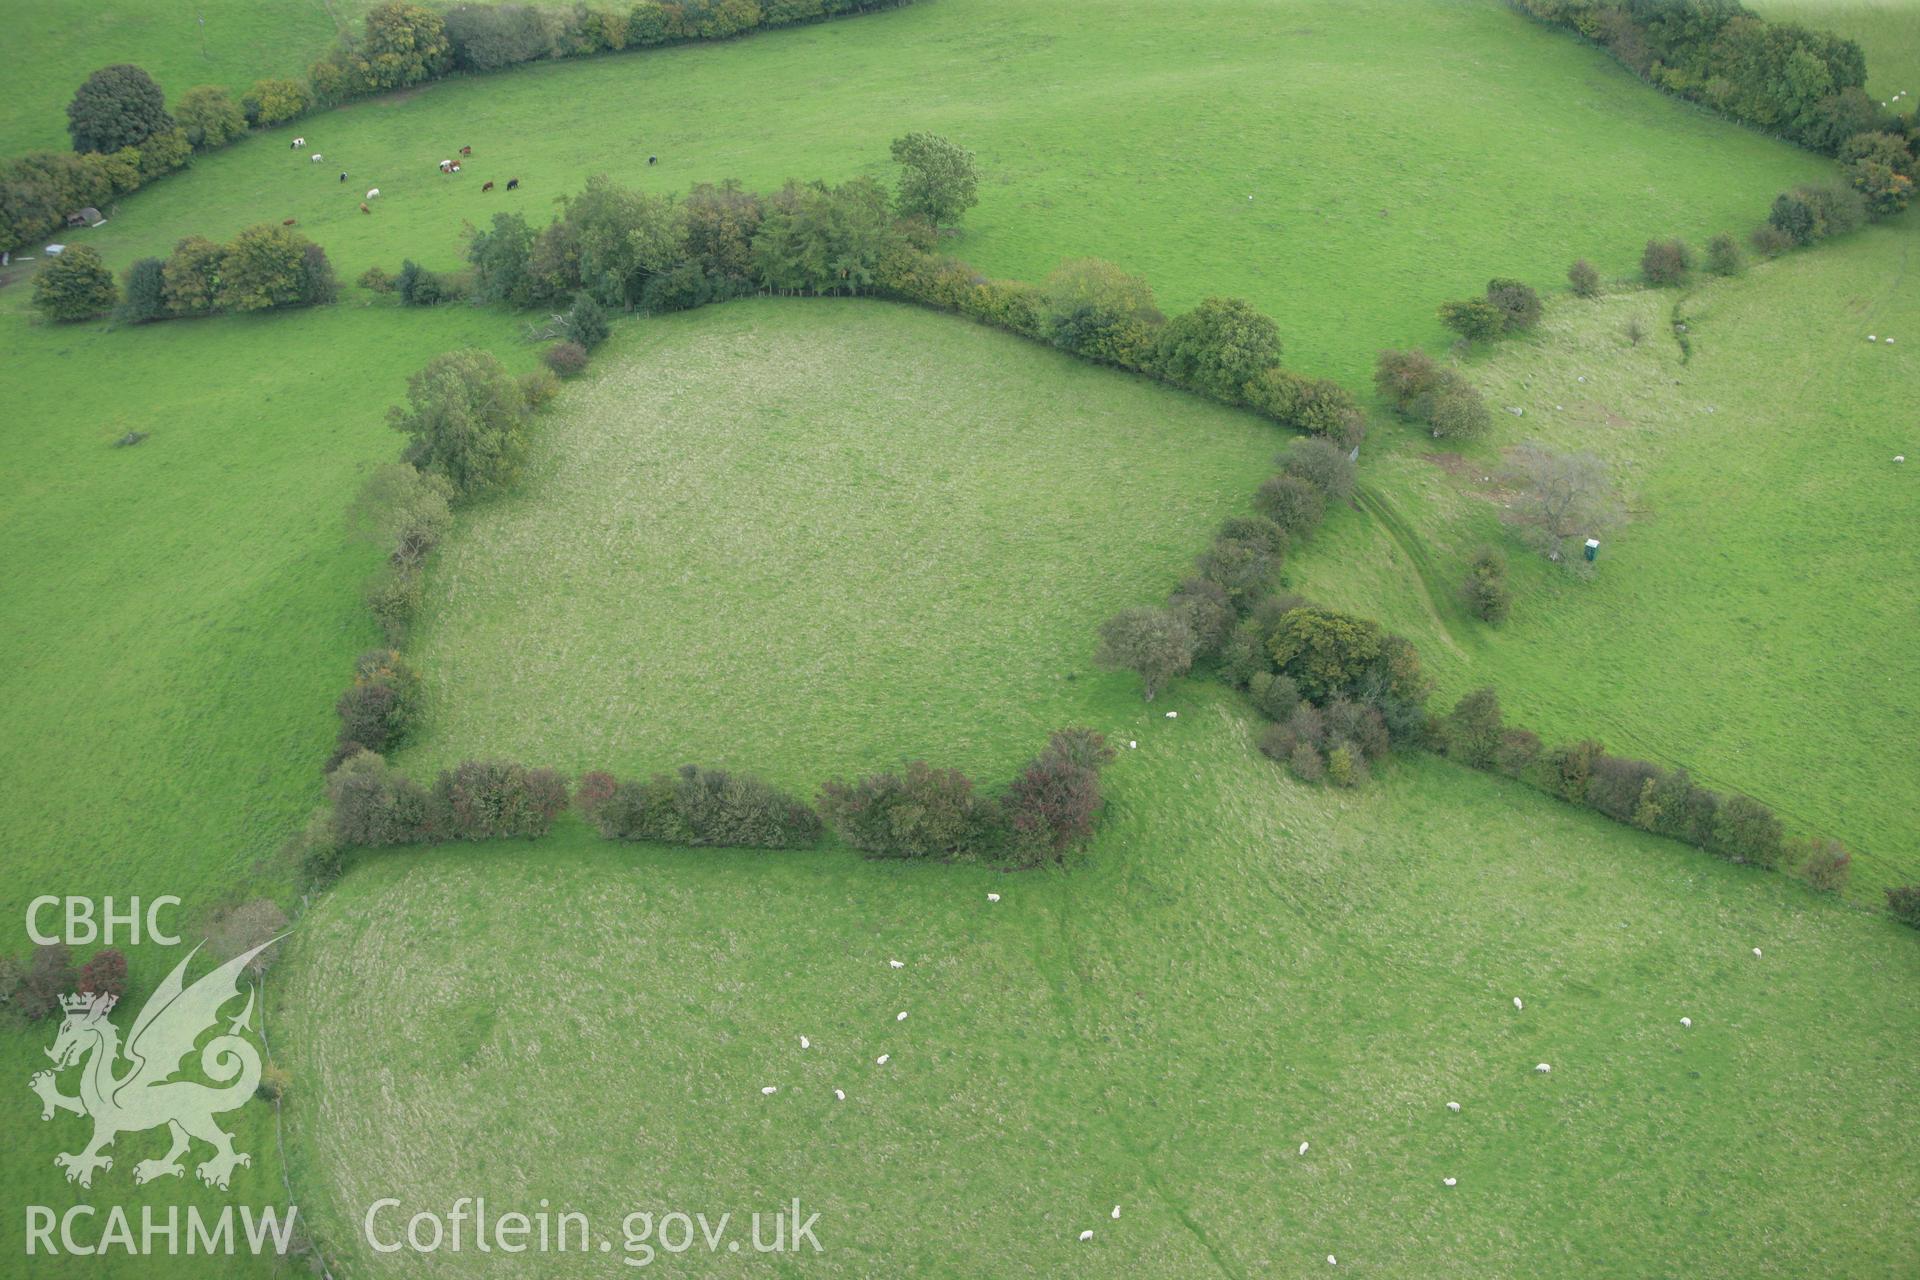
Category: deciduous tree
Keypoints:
(938, 180)
(117, 106)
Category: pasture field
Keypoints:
(1395, 154)
(178, 618)
(1753, 618)
(788, 535)
(1240, 965)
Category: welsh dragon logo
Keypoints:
(144, 1095)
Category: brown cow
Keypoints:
(287, 222)
(487, 186)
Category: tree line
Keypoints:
(1806, 86)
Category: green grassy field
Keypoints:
(779, 536)
(53, 47)
(1762, 466)
(1240, 964)
(1396, 154)
(178, 619)
(1887, 29)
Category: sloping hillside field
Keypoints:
(1243, 965)
(1410, 1019)
(784, 515)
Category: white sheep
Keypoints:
(1085, 1236)
(1686, 1022)
(1332, 1261)
(1873, 337)
(1447, 1182)
(1173, 715)
(881, 1061)
(1756, 953)
(840, 1095)
(1453, 1106)
(1133, 744)
(1517, 1004)
(1543, 1068)
(993, 897)
(900, 1016)
(1115, 1215)
(316, 157)
(770, 1089)
(298, 143)
(1303, 1148)
(373, 193)
(805, 1043)
(896, 964)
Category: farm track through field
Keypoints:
(1427, 579)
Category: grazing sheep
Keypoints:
(881, 1061)
(1447, 1182)
(805, 1043)
(1756, 953)
(513, 184)
(363, 207)
(1085, 1236)
(1517, 1004)
(770, 1089)
(1686, 1022)
(315, 158)
(373, 193)
(993, 897)
(1453, 1106)
(1173, 715)
(840, 1095)
(486, 186)
(900, 1016)
(1873, 337)
(297, 143)
(1116, 1213)
(1543, 1068)
(1303, 1148)
(896, 964)
(1133, 744)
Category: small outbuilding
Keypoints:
(87, 217)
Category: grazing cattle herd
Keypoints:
(447, 167)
